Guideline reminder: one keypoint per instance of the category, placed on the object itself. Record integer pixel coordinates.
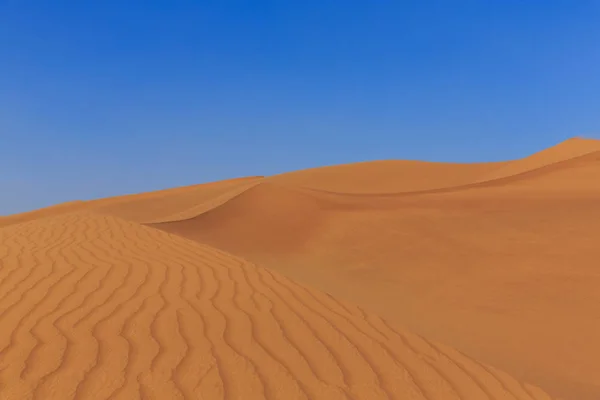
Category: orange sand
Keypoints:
(98, 300)
(95, 307)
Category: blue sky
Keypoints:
(99, 98)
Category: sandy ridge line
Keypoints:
(111, 204)
(177, 217)
(207, 206)
(595, 155)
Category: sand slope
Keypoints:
(504, 269)
(95, 307)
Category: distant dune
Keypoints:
(388, 176)
(566, 150)
(497, 260)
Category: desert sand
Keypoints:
(96, 307)
(390, 279)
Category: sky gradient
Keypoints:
(99, 98)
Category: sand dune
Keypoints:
(566, 150)
(95, 307)
(503, 270)
(397, 176)
(498, 261)
(391, 176)
(409, 177)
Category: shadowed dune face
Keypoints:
(95, 307)
(243, 219)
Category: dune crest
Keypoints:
(56, 209)
(391, 176)
(405, 177)
(566, 150)
(96, 307)
(169, 204)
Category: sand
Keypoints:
(96, 307)
(334, 282)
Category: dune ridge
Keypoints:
(566, 150)
(406, 176)
(500, 180)
(41, 213)
(96, 307)
(386, 176)
(150, 206)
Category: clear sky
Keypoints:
(107, 97)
